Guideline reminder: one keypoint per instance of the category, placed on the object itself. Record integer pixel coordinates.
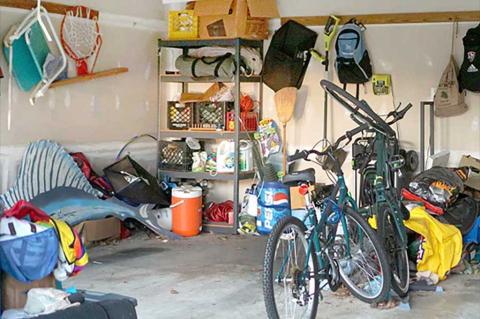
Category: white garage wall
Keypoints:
(97, 116)
(414, 54)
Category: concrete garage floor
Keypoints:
(213, 276)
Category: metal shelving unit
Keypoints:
(235, 135)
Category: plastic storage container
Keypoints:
(182, 24)
(273, 205)
(187, 211)
(175, 156)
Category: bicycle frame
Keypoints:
(382, 194)
(331, 203)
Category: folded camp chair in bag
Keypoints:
(288, 56)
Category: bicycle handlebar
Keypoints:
(348, 135)
(398, 115)
(353, 105)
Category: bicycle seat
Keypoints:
(294, 178)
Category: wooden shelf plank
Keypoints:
(51, 7)
(89, 77)
(393, 18)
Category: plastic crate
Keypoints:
(176, 156)
(248, 121)
(180, 116)
(182, 24)
(211, 114)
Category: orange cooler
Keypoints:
(187, 211)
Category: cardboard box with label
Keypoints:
(235, 18)
(101, 229)
(297, 200)
(473, 180)
(14, 293)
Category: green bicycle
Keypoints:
(384, 203)
(337, 246)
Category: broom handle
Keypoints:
(284, 148)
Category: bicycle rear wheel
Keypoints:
(364, 265)
(290, 284)
(398, 255)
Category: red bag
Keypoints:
(98, 182)
(432, 209)
(23, 209)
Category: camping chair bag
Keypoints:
(133, 184)
(219, 67)
(288, 56)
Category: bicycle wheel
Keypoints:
(398, 256)
(363, 263)
(290, 284)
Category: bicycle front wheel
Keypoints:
(362, 261)
(398, 255)
(290, 284)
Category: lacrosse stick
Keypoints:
(81, 37)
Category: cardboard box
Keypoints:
(187, 97)
(235, 18)
(473, 180)
(101, 229)
(297, 201)
(14, 293)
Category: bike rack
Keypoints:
(431, 138)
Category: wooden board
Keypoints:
(89, 77)
(51, 7)
(393, 18)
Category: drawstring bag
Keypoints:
(70, 254)
(28, 251)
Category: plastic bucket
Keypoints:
(273, 205)
(187, 211)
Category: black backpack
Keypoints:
(352, 63)
(469, 76)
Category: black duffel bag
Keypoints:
(288, 56)
(134, 184)
(462, 214)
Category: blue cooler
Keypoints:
(273, 205)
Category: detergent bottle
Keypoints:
(226, 157)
